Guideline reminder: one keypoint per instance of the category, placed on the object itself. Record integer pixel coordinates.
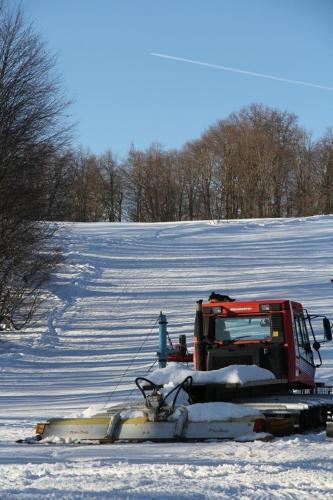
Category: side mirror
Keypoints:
(327, 329)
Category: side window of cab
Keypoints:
(303, 341)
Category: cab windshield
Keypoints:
(247, 327)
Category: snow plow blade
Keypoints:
(74, 429)
(156, 420)
(108, 428)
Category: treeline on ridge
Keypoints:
(257, 162)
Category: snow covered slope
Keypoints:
(100, 332)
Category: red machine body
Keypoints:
(272, 334)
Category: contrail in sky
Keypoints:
(235, 70)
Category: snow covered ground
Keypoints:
(100, 331)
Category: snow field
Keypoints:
(100, 332)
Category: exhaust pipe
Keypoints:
(200, 352)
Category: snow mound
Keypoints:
(175, 373)
(210, 412)
(125, 414)
(255, 436)
(91, 411)
(94, 410)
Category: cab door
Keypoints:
(305, 368)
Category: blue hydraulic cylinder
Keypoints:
(162, 341)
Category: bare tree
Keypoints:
(252, 159)
(113, 186)
(86, 188)
(323, 157)
(152, 186)
(32, 123)
(58, 185)
(305, 184)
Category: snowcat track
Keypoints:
(302, 410)
(329, 424)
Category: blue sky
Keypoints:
(122, 94)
